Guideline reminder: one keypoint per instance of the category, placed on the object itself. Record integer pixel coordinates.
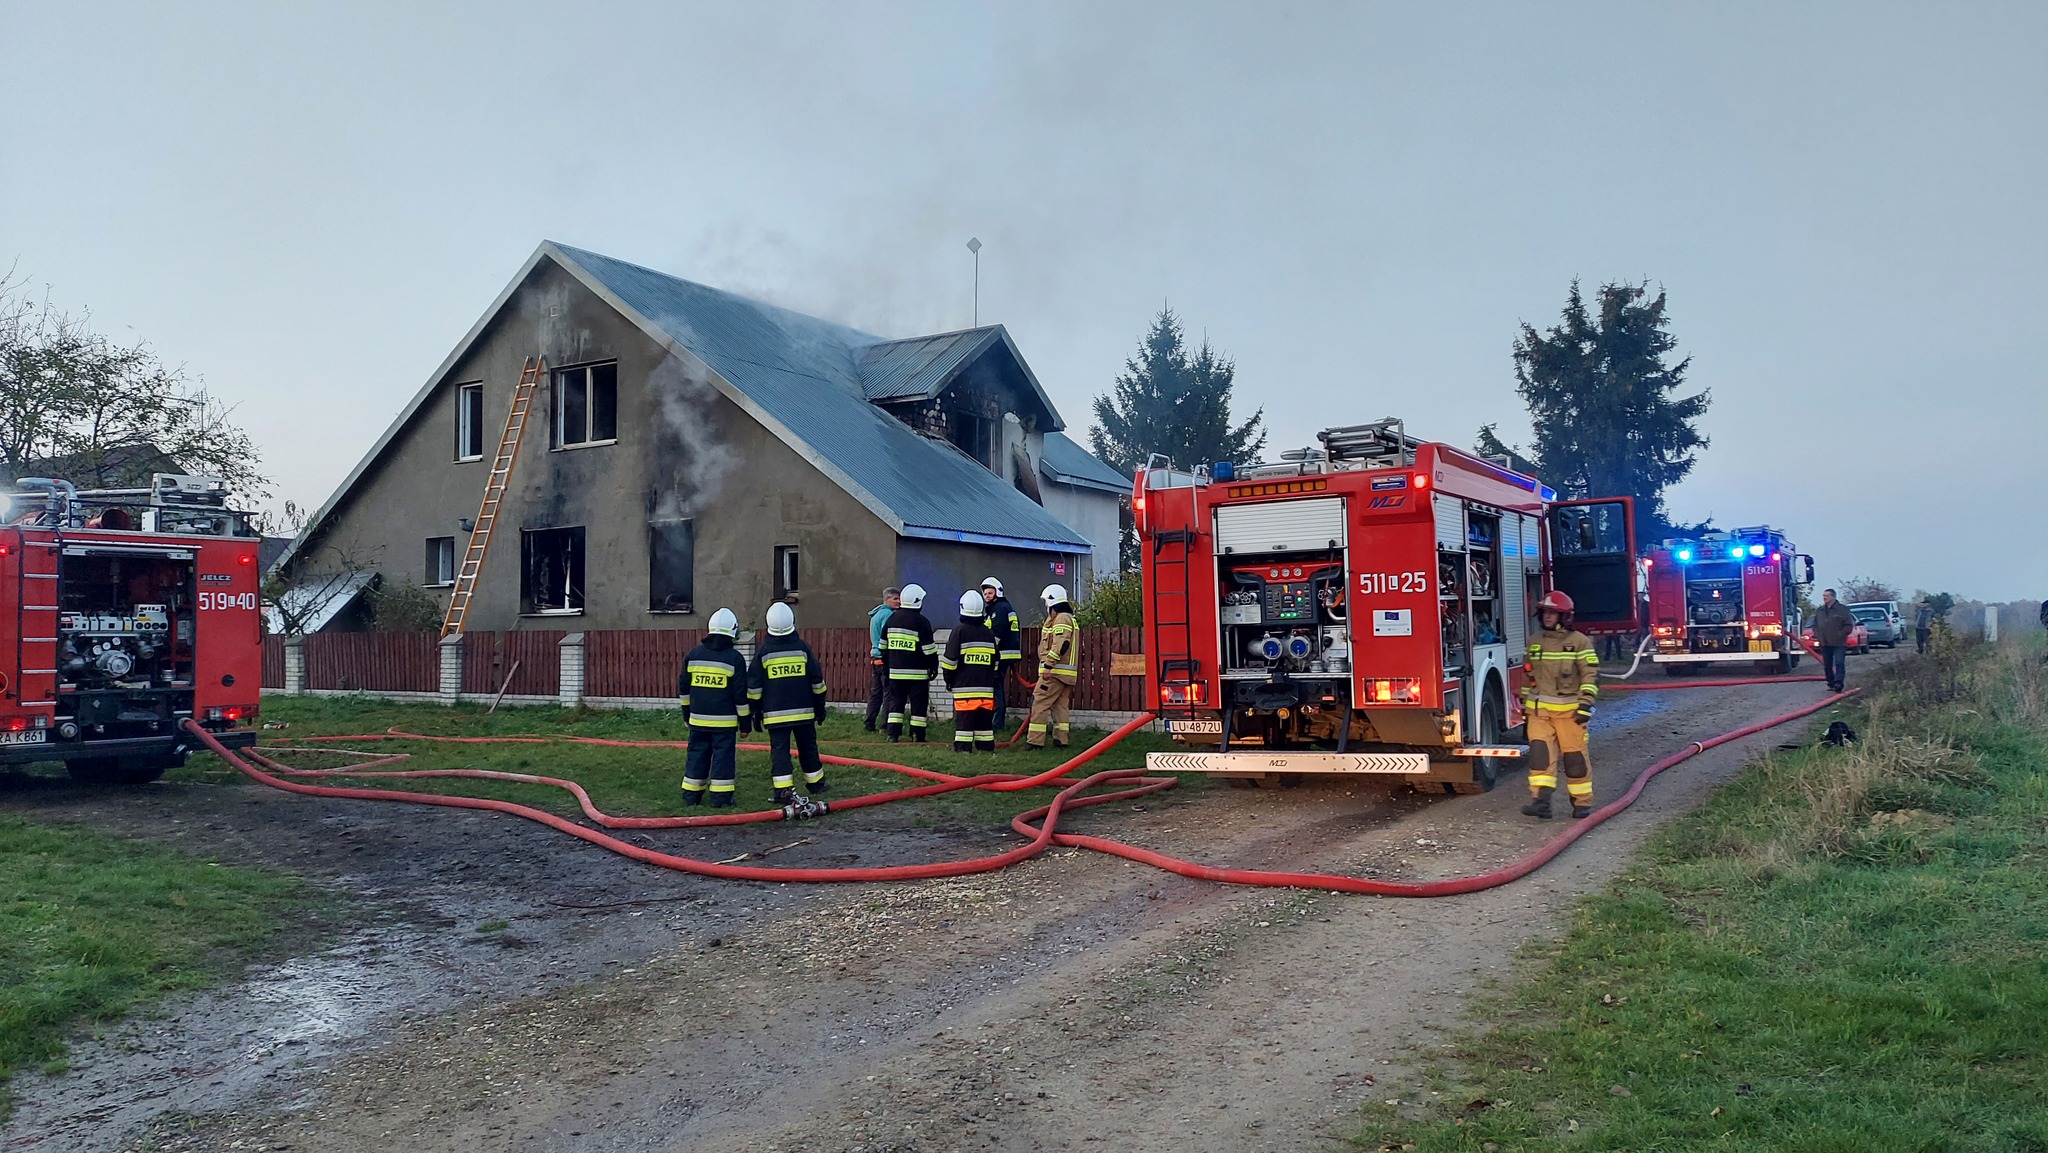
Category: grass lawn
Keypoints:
(92, 925)
(1845, 950)
(647, 782)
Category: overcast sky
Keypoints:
(309, 205)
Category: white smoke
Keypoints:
(691, 459)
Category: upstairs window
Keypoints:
(469, 422)
(551, 571)
(440, 567)
(785, 572)
(586, 403)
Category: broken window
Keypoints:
(551, 571)
(671, 565)
(973, 435)
(440, 567)
(586, 405)
(785, 572)
(469, 422)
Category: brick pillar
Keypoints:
(451, 668)
(942, 698)
(295, 665)
(571, 647)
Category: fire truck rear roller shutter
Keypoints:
(1281, 526)
(1450, 523)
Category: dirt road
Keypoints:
(1074, 1002)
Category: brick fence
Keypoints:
(623, 668)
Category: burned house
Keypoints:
(689, 449)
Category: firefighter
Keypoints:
(712, 691)
(1558, 692)
(970, 664)
(1059, 662)
(913, 661)
(787, 692)
(1002, 621)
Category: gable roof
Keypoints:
(1068, 463)
(800, 377)
(924, 366)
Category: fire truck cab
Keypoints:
(123, 613)
(1726, 598)
(1362, 607)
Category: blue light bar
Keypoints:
(1684, 555)
(1756, 550)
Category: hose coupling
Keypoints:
(803, 809)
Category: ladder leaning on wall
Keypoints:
(530, 376)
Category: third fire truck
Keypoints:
(1726, 598)
(1362, 607)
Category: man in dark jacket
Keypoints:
(878, 624)
(1832, 624)
(969, 663)
(787, 691)
(913, 661)
(712, 691)
(1001, 616)
(1923, 625)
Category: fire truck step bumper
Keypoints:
(1396, 764)
(1496, 751)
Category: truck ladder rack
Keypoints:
(530, 376)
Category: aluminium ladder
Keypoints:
(530, 376)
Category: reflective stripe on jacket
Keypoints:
(1009, 634)
(788, 682)
(1563, 672)
(908, 648)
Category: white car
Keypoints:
(1885, 620)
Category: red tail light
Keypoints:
(1188, 694)
(16, 724)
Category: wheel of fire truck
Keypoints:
(139, 770)
(1493, 730)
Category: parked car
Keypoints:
(1859, 637)
(1885, 619)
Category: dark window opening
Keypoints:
(785, 572)
(1589, 530)
(973, 435)
(551, 571)
(671, 565)
(469, 422)
(440, 567)
(586, 405)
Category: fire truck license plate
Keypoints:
(24, 737)
(1185, 726)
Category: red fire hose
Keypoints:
(1039, 826)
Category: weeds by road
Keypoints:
(1844, 950)
(93, 925)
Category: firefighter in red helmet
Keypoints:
(1562, 682)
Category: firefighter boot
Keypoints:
(1578, 781)
(1539, 805)
(785, 795)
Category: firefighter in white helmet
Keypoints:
(1562, 683)
(969, 663)
(712, 691)
(913, 660)
(1059, 663)
(787, 691)
(1001, 616)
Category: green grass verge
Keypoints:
(92, 925)
(1844, 950)
(647, 782)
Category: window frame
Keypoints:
(463, 394)
(788, 568)
(432, 569)
(671, 605)
(574, 588)
(558, 405)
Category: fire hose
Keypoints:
(1039, 826)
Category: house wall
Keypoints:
(682, 449)
(947, 569)
(1096, 515)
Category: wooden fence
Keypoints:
(640, 664)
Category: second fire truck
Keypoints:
(1362, 607)
(1726, 598)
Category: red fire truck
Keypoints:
(1362, 607)
(1727, 598)
(122, 614)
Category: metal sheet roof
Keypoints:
(803, 375)
(1067, 462)
(920, 366)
